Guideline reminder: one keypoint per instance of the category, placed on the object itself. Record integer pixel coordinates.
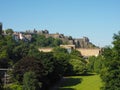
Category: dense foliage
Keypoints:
(30, 82)
(46, 68)
(28, 63)
(96, 64)
(108, 65)
(42, 41)
(111, 73)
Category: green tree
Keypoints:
(95, 64)
(28, 64)
(60, 63)
(9, 31)
(111, 74)
(42, 41)
(90, 64)
(3, 53)
(98, 64)
(78, 67)
(76, 53)
(59, 50)
(30, 81)
(33, 52)
(116, 43)
(57, 42)
(19, 51)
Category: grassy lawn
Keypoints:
(91, 82)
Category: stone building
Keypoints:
(21, 36)
(83, 43)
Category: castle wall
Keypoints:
(89, 52)
(84, 52)
(45, 49)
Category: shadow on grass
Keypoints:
(67, 89)
(86, 74)
(67, 82)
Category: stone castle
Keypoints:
(81, 44)
(78, 42)
(67, 40)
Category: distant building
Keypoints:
(16, 36)
(28, 37)
(0, 28)
(21, 36)
(83, 43)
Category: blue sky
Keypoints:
(96, 19)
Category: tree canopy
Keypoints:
(111, 73)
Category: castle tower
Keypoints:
(0, 28)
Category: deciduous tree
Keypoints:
(30, 81)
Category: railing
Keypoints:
(5, 69)
(5, 74)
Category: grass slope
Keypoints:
(92, 82)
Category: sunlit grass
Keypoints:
(92, 82)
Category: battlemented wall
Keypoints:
(45, 49)
(89, 52)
